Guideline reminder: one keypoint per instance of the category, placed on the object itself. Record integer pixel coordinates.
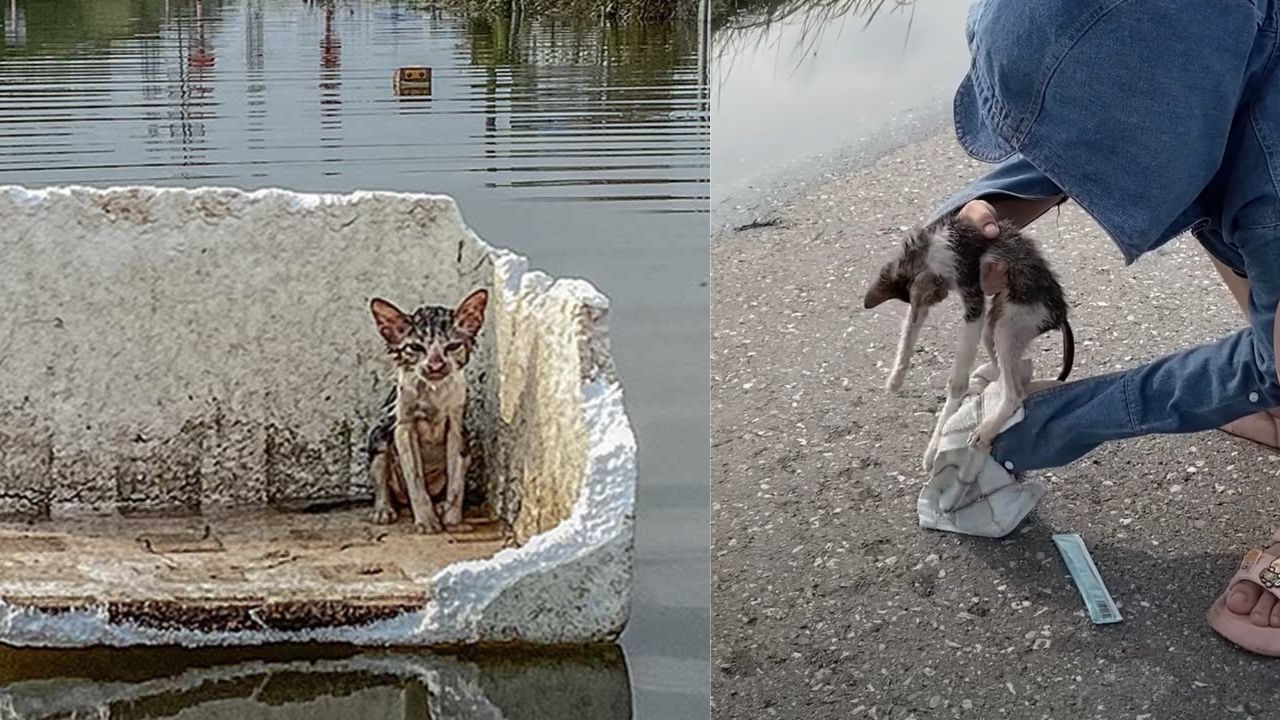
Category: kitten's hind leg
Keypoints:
(381, 466)
(907, 344)
(1012, 339)
(990, 371)
(380, 472)
(989, 333)
(958, 385)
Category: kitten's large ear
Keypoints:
(882, 290)
(994, 276)
(393, 324)
(470, 313)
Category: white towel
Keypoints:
(969, 492)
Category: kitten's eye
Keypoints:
(414, 347)
(453, 347)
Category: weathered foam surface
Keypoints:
(207, 350)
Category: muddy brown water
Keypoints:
(583, 146)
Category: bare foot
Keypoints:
(1248, 598)
(1262, 428)
(980, 214)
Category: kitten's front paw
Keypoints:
(383, 516)
(452, 517)
(430, 527)
(895, 381)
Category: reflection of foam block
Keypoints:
(315, 684)
(411, 80)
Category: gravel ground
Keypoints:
(828, 600)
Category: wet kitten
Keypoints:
(1027, 301)
(416, 458)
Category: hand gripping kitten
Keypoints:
(1027, 301)
(416, 454)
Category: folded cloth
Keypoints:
(968, 491)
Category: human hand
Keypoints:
(980, 214)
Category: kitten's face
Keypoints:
(435, 341)
(907, 276)
(893, 282)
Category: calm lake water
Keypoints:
(582, 146)
(798, 85)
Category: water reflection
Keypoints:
(543, 109)
(315, 683)
(794, 79)
(741, 15)
(331, 93)
(255, 88)
(756, 23)
(582, 145)
(15, 25)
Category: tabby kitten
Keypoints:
(416, 453)
(1026, 301)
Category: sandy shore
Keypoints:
(827, 598)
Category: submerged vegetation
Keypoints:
(80, 26)
(649, 11)
(738, 24)
(84, 24)
(67, 27)
(649, 49)
(731, 15)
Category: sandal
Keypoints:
(1261, 566)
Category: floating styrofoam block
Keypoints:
(210, 353)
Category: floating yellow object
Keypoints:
(413, 80)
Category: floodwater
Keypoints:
(582, 146)
(798, 85)
(311, 683)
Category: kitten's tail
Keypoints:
(1068, 350)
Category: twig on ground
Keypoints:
(768, 222)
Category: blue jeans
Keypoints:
(1157, 118)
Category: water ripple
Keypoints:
(219, 90)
